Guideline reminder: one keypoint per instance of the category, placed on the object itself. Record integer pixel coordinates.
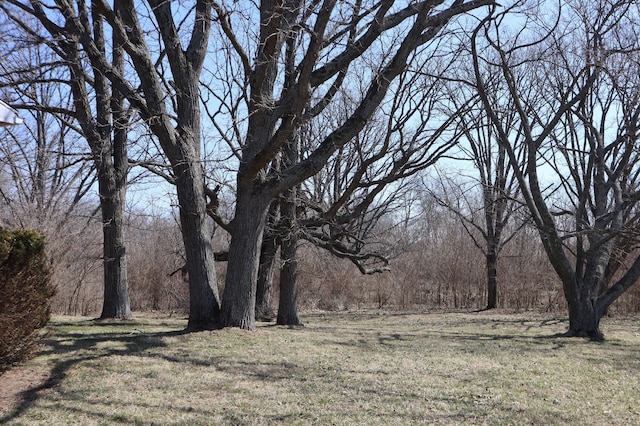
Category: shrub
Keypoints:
(25, 294)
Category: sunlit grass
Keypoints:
(343, 369)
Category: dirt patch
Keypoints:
(15, 382)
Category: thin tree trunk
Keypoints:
(288, 303)
(40, 180)
(492, 279)
(264, 287)
(239, 298)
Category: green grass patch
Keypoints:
(341, 369)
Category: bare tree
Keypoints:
(341, 209)
(169, 107)
(46, 183)
(44, 175)
(101, 118)
(486, 223)
(172, 111)
(575, 94)
(306, 53)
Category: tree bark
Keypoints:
(196, 235)
(180, 141)
(264, 287)
(239, 297)
(116, 295)
(113, 171)
(288, 303)
(584, 317)
(109, 147)
(492, 279)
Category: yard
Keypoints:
(357, 368)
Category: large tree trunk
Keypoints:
(112, 163)
(204, 307)
(180, 140)
(584, 320)
(239, 298)
(584, 317)
(492, 279)
(116, 295)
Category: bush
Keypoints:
(25, 294)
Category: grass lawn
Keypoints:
(366, 368)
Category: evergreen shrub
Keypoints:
(25, 294)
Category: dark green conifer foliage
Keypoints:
(25, 294)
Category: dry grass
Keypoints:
(341, 369)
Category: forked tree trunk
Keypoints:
(239, 298)
(584, 320)
(112, 163)
(288, 303)
(584, 314)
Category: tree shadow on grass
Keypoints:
(67, 343)
(530, 333)
(530, 343)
